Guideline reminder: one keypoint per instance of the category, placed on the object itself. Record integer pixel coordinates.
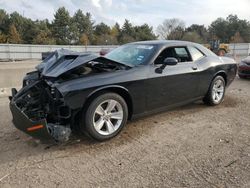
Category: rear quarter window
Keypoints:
(195, 53)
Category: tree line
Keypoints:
(229, 30)
(80, 29)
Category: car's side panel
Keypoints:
(76, 91)
(210, 67)
(149, 90)
(174, 85)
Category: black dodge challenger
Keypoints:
(97, 95)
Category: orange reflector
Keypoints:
(35, 127)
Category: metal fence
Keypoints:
(26, 51)
(240, 49)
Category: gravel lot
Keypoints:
(192, 146)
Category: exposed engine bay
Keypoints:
(93, 67)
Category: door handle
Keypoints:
(194, 68)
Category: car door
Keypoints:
(176, 84)
(202, 62)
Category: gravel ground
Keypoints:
(192, 146)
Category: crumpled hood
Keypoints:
(68, 63)
(61, 66)
(54, 56)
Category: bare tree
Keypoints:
(193, 37)
(169, 26)
(237, 38)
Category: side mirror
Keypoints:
(170, 61)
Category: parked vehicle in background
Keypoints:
(97, 95)
(244, 68)
(104, 51)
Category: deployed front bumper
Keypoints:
(26, 108)
(36, 129)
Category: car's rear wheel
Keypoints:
(216, 92)
(106, 116)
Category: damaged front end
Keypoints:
(40, 111)
(39, 108)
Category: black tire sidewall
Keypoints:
(88, 123)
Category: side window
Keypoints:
(195, 53)
(180, 53)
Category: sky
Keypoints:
(138, 12)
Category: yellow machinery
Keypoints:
(217, 47)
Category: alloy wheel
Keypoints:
(218, 91)
(108, 117)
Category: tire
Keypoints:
(98, 121)
(216, 92)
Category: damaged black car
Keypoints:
(73, 91)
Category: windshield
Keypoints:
(132, 54)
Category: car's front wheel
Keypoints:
(216, 92)
(106, 116)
